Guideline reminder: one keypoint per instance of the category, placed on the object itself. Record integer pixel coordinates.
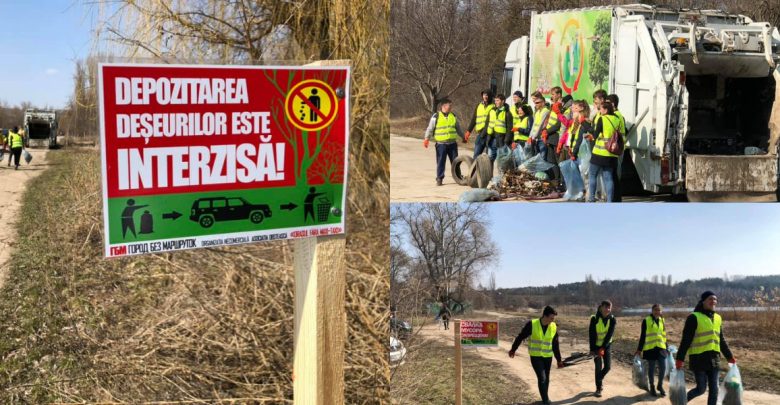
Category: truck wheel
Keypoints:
(256, 217)
(458, 169)
(206, 221)
(484, 170)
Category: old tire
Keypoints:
(458, 170)
(484, 172)
(473, 180)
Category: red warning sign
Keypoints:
(311, 105)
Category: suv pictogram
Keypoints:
(206, 211)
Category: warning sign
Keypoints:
(311, 105)
(198, 156)
(479, 333)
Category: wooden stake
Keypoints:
(458, 366)
(320, 320)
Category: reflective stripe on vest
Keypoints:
(482, 114)
(609, 123)
(15, 140)
(445, 128)
(707, 336)
(553, 120)
(601, 331)
(538, 118)
(574, 134)
(521, 124)
(497, 121)
(655, 334)
(540, 344)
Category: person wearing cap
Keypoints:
(600, 331)
(445, 129)
(522, 119)
(499, 127)
(479, 122)
(542, 346)
(652, 347)
(704, 343)
(16, 143)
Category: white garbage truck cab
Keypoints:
(697, 89)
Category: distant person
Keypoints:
(445, 128)
(479, 122)
(600, 331)
(617, 193)
(445, 314)
(16, 142)
(598, 98)
(578, 128)
(542, 346)
(652, 347)
(499, 127)
(522, 121)
(602, 161)
(542, 113)
(703, 341)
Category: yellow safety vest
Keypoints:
(707, 336)
(609, 123)
(538, 118)
(655, 334)
(574, 134)
(540, 344)
(497, 121)
(482, 114)
(445, 128)
(522, 123)
(15, 140)
(601, 330)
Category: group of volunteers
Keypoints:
(702, 340)
(15, 142)
(556, 130)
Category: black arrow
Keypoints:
(288, 207)
(171, 215)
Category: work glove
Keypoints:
(544, 136)
(678, 364)
(514, 146)
(601, 352)
(530, 141)
(425, 143)
(558, 149)
(468, 134)
(561, 365)
(582, 119)
(638, 353)
(511, 354)
(733, 360)
(515, 130)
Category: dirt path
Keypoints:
(12, 185)
(574, 385)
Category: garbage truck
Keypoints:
(697, 89)
(40, 126)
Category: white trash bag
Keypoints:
(677, 392)
(671, 353)
(730, 392)
(639, 373)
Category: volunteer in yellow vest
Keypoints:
(579, 126)
(600, 331)
(499, 126)
(602, 161)
(522, 119)
(703, 341)
(542, 346)
(445, 129)
(598, 98)
(479, 122)
(617, 193)
(16, 143)
(652, 347)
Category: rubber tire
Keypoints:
(484, 172)
(457, 169)
(473, 178)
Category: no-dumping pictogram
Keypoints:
(311, 105)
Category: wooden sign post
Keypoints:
(458, 366)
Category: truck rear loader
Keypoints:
(697, 89)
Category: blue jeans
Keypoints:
(486, 142)
(443, 151)
(702, 379)
(661, 371)
(606, 174)
(541, 148)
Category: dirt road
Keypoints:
(12, 186)
(574, 385)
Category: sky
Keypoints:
(40, 42)
(549, 244)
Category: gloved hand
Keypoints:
(511, 354)
(556, 108)
(468, 134)
(558, 149)
(514, 145)
(530, 141)
(678, 364)
(601, 352)
(425, 143)
(582, 119)
(733, 360)
(638, 353)
(514, 130)
(561, 365)
(544, 136)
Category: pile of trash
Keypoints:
(531, 180)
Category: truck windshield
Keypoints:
(506, 82)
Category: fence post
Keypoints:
(458, 366)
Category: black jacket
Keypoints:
(704, 361)
(508, 121)
(526, 332)
(592, 331)
(585, 128)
